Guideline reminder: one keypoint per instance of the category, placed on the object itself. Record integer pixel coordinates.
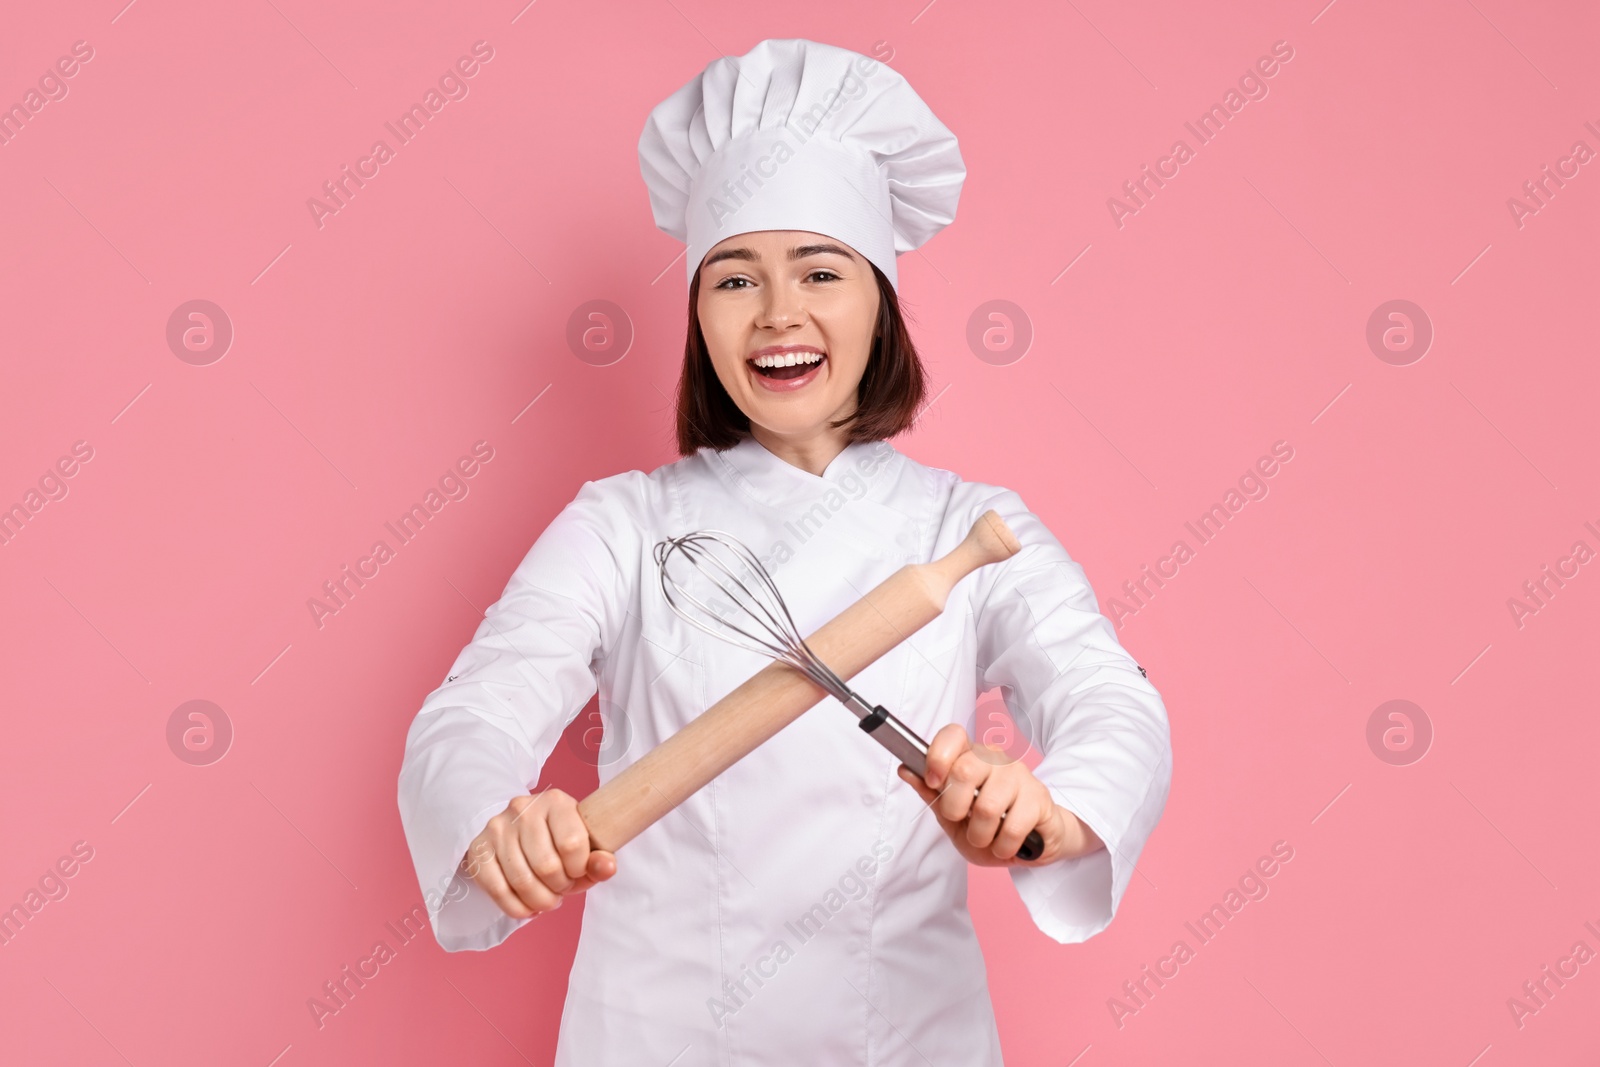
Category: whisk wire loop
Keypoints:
(764, 606)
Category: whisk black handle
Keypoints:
(899, 739)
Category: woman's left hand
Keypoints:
(969, 789)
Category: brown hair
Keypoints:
(887, 400)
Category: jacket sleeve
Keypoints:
(482, 737)
(1099, 723)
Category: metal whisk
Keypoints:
(754, 616)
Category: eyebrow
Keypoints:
(797, 252)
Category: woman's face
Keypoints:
(788, 296)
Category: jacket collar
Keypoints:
(865, 470)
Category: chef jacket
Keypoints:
(805, 907)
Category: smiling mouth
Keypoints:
(804, 363)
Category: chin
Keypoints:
(788, 422)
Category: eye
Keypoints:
(831, 276)
(723, 284)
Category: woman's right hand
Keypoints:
(535, 853)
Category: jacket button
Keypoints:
(869, 799)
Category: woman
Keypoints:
(809, 905)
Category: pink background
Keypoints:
(1230, 312)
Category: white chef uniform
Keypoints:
(804, 907)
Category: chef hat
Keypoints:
(797, 135)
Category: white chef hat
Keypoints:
(797, 135)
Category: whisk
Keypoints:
(752, 614)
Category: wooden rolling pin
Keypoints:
(778, 694)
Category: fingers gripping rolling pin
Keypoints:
(781, 692)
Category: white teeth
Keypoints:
(787, 359)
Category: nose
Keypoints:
(782, 307)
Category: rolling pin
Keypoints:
(778, 694)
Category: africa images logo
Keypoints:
(338, 192)
(454, 484)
